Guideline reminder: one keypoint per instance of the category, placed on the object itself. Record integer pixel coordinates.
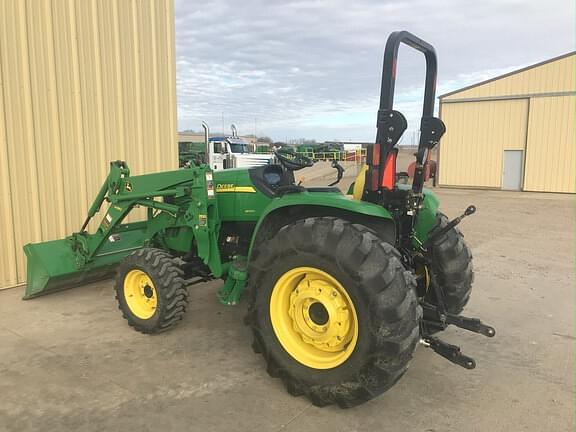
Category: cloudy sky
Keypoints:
(292, 69)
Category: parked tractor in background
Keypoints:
(340, 289)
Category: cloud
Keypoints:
(312, 68)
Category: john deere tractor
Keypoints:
(341, 288)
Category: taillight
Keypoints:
(389, 176)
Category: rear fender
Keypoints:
(426, 219)
(285, 210)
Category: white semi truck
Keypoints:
(232, 151)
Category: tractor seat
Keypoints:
(271, 180)
(358, 185)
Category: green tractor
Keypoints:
(340, 288)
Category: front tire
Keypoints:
(333, 311)
(150, 290)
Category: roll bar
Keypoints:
(389, 70)
(391, 124)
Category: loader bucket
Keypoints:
(52, 266)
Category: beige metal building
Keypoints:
(82, 82)
(515, 131)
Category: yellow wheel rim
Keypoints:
(313, 318)
(422, 270)
(140, 294)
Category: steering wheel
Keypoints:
(291, 160)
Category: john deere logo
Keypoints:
(221, 186)
(128, 187)
(230, 187)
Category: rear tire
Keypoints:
(380, 298)
(451, 269)
(150, 290)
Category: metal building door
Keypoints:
(512, 169)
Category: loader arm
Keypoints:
(180, 207)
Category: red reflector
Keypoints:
(389, 177)
(376, 155)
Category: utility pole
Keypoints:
(223, 132)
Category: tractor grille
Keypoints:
(250, 161)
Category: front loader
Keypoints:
(340, 288)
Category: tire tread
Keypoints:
(391, 297)
(170, 286)
(452, 268)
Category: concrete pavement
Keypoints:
(69, 362)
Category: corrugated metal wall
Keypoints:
(551, 149)
(477, 134)
(556, 76)
(532, 110)
(82, 82)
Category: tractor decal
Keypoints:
(228, 187)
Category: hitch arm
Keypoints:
(449, 352)
(443, 319)
(470, 324)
